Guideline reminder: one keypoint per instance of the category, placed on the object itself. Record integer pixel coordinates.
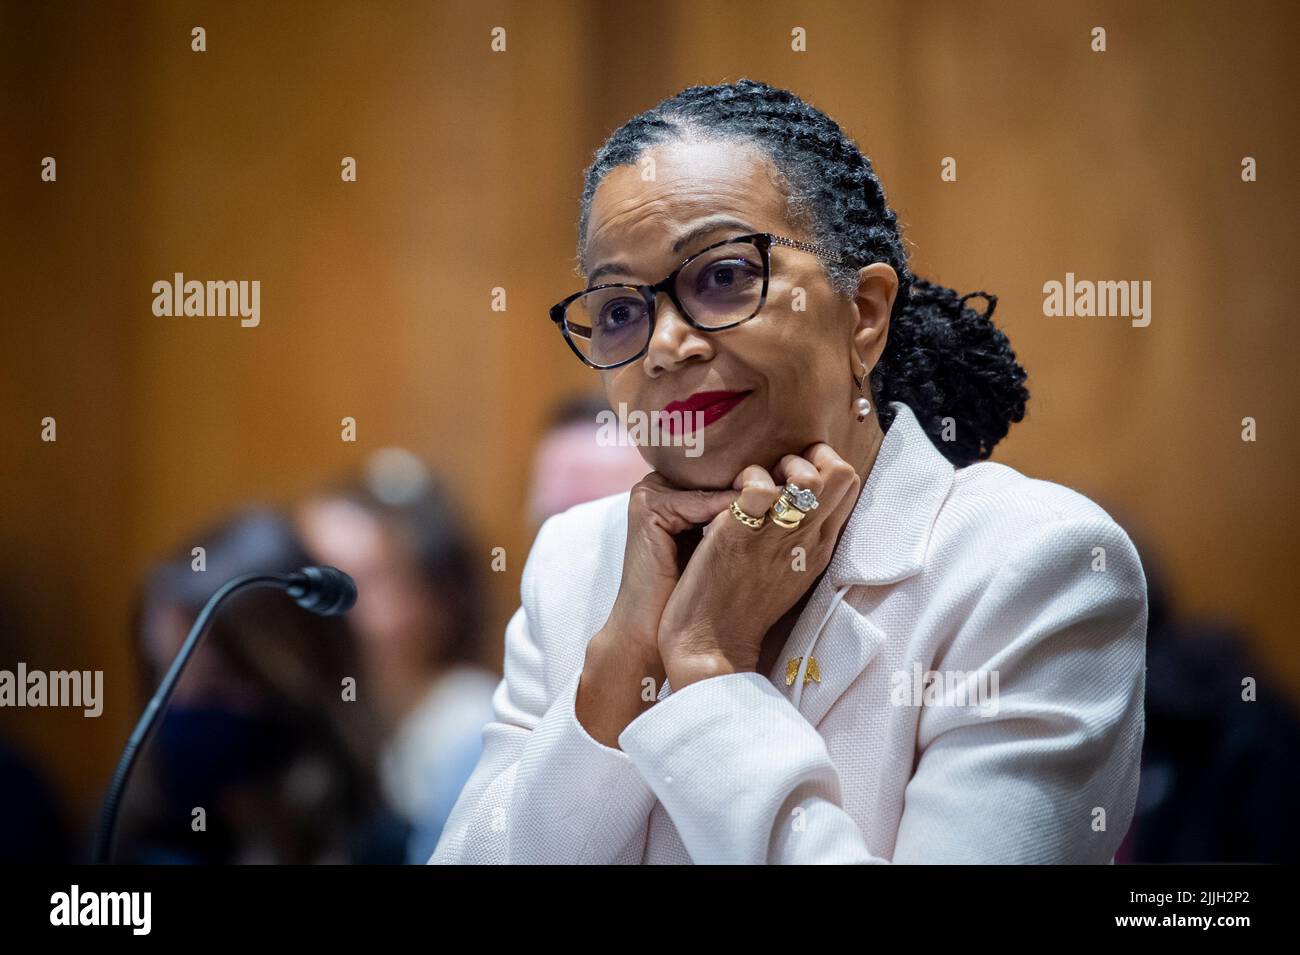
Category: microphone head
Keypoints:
(323, 590)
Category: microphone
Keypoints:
(323, 590)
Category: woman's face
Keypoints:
(794, 359)
(398, 616)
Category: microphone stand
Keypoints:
(300, 586)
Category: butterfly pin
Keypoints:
(792, 670)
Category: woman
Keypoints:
(417, 622)
(908, 657)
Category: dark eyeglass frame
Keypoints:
(763, 241)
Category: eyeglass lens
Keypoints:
(720, 287)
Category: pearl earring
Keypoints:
(860, 404)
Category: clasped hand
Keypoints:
(709, 617)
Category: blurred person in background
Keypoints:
(258, 734)
(1220, 780)
(32, 825)
(419, 619)
(571, 467)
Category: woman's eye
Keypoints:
(616, 315)
(729, 274)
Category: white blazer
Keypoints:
(1024, 596)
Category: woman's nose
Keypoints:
(675, 341)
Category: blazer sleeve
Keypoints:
(1048, 775)
(543, 791)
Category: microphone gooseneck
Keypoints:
(324, 590)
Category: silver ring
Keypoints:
(801, 498)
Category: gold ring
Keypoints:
(785, 514)
(754, 523)
(780, 520)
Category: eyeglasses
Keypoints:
(717, 288)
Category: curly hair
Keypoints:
(942, 358)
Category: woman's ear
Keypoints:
(873, 302)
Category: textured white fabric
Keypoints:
(977, 570)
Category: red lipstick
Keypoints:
(711, 404)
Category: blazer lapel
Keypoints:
(845, 646)
(885, 541)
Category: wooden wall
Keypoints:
(376, 294)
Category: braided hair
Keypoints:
(943, 359)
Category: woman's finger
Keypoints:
(676, 508)
(837, 474)
(841, 496)
(838, 513)
(758, 491)
(794, 469)
(688, 509)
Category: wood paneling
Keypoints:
(376, 295)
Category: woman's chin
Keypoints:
(711, 471)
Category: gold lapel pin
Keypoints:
(792, 670)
